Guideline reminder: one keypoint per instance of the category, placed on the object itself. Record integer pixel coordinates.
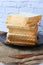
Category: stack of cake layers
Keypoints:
(22, 28)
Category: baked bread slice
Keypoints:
(22, 28)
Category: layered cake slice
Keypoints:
(22, 28)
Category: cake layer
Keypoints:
(21, 36)
(21, 39)
(23, 31)
(21, 20)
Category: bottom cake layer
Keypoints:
(12, 39)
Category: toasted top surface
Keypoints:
(22, 19)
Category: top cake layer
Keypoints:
(22, 19)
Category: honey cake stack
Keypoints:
(22, 28)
